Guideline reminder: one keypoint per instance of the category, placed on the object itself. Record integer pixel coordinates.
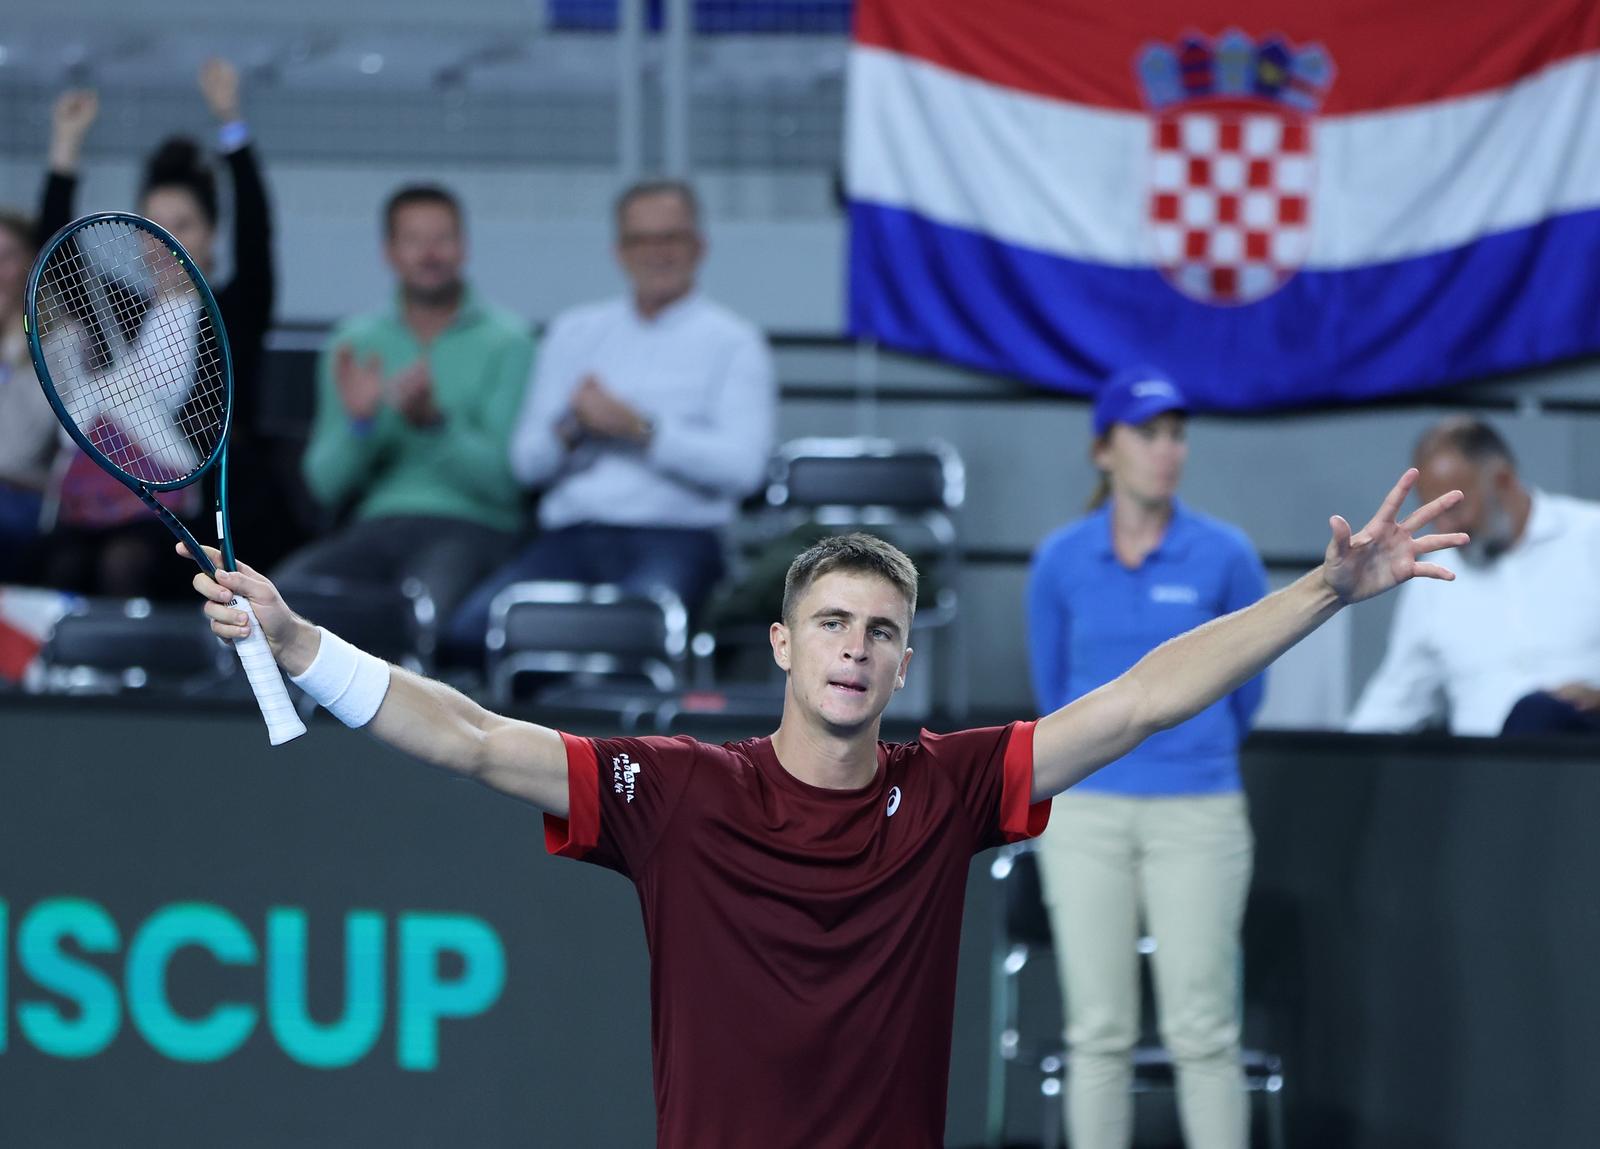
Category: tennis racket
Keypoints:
(129, 345)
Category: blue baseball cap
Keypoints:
(1136, 395)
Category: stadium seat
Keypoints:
(598, 647)
(397, 624)
(106, 646)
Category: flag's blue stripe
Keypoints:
(1505, 302)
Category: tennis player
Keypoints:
(802, 893)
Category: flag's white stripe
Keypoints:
(1073, 180)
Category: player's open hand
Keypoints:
(286, 633)
(1383, 554)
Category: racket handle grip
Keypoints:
(266, 680)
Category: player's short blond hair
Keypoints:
(856, 553)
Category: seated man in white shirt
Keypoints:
(1515, 648)
(650, 418)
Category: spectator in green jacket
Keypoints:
(415, 403)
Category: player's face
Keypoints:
(1482, 511)
(179, 212)
(659, 247)
(427, 251)
(1145, 461)
(845, 648)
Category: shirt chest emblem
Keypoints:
(894, 801)
(1175, 594)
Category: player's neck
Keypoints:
(820, 758)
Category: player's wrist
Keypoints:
(1327, 597)
(299, 649)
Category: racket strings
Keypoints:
(133, 354)
(162, 336)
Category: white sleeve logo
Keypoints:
(623, 771)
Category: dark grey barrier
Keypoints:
(207, 942)
(1421, 937)
(162, 823)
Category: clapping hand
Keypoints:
(412, 391)
(359, 383)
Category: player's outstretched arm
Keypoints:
(1183, 676)
(424, 718)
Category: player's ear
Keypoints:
(778, 635)
(905, 664)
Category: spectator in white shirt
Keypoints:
(1514, 647)
(650, 417)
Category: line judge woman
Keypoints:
(1163, 834)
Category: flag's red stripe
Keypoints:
(1385, 55)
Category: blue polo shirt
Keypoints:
(1090, 618)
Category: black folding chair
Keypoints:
(596, 647)
(107, 646)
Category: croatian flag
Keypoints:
(27, 616)
(1279, 204)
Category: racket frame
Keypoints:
(146, 491)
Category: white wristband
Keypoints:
(348, 681)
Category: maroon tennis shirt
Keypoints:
(803, 941)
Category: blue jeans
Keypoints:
(684, 561)
(1541, 713)
(19, 528)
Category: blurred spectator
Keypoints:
(414, 409)
(1162, 834)
(28, 427)
(104, 540)
(1514, 646)
(650, 417)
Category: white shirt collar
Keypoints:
(671, 313)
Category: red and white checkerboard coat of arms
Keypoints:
(1231, 167)
(1230, 200)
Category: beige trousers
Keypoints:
(1183, 864)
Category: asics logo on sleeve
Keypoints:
(894, 801)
